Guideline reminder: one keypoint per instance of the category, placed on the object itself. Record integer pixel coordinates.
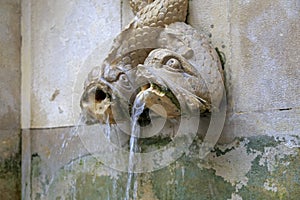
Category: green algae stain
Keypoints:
(10, 178)
(10, 166)
(87, 178)
(35, 165)
(255, 187)
(288, 177)
(185, 180)
(89, 186)
(260, 142)
(284, 180)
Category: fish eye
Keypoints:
(174, 63)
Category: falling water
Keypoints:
(73, 133)
(80, 122)
(107, 129)
(137, 110)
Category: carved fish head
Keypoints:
(173, 81)
(166, 78)
(107, 95)
(183, 70)
(96, 98)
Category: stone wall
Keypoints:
(10, 76)
(258, 154)
(60, 36)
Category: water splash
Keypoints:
(137, 110)
(67, 138)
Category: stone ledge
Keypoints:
(270, 122)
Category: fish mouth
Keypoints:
(173, 89)
(161, 100)
(99, 105)
(95, 103)
(168, 84)
(103, 102)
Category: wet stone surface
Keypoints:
(272, 172)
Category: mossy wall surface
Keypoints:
(260, 167)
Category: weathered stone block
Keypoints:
(212, 17)
(64, 36)
(9, 66)
(272, 123)
(265, 40)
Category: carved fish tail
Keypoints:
(162, 13)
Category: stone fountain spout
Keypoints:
(160, 57)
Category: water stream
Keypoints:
(74, 132)
(132, 180)
(131, 189)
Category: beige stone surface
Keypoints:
(265, 41)
(213, 18)
(260, 41)
(10, 83)
(63, 35)
(127, 15)
(9, 65)
(271, 123)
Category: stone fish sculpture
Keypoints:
(160, 56)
